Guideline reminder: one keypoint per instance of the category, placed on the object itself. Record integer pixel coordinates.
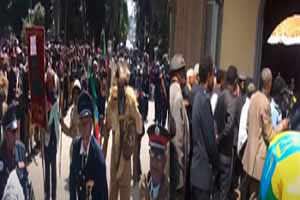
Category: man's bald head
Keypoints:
(266, 76)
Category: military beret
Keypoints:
(10, 118)
(158, 137)
(85, 105)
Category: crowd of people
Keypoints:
(224, 125)
(103, 94)
(208, 140)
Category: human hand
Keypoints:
(284, 124)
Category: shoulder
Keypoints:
(113, 93)
(143, 184)
(200, 96)
(174, 88)
(130, 94)
(165, 187)
(2, 166)
(77, 143)
(97, 151)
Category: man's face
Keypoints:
(76, 93)
(10, 138)
(192, 80)
(182, 78)
(157, 165)
(85, 127)
(211, 80)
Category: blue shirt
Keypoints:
(276, 114)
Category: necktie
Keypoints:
(84, 157)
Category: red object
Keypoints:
(36, 59)
(159, 139)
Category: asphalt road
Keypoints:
(36, 172)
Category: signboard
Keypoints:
(36, 60)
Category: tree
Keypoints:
(152, 24)
(11, 14)
(118, 21)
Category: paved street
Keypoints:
(36, 174)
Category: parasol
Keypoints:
(287, 32)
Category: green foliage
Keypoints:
(37, 18)
(124, 21)
(153, 23)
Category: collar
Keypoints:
(82, 151)
(154, 190)
(274, 103)
(174, 79)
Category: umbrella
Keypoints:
(287, 32)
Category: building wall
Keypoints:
(239, 35)
(188, 26)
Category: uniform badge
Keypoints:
(157, 131)
(1, 166)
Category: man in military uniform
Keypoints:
(12, 154)
(124, 119)
(87, 170)
(155, 185)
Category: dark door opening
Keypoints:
(279, 58)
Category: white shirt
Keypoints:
(213, 102)
(243, 132)
(82, 150)
(154, 191)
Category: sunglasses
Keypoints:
(156, 155)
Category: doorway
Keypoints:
(283, 60)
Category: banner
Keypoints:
(36, 60)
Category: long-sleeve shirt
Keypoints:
(243, 130)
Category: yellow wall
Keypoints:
(239, 35)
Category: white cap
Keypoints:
(196, 69)
(77, 84)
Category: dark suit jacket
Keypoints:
(195, 90)
(205, 153)
(226, 120)
(95, 170)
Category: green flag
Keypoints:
(103, 41)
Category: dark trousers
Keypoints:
(139, 168)
(225, 179)
(198, 194)
(249, 188)
(174, 178)
(161, 111)
(23, 130)
(50, 165)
